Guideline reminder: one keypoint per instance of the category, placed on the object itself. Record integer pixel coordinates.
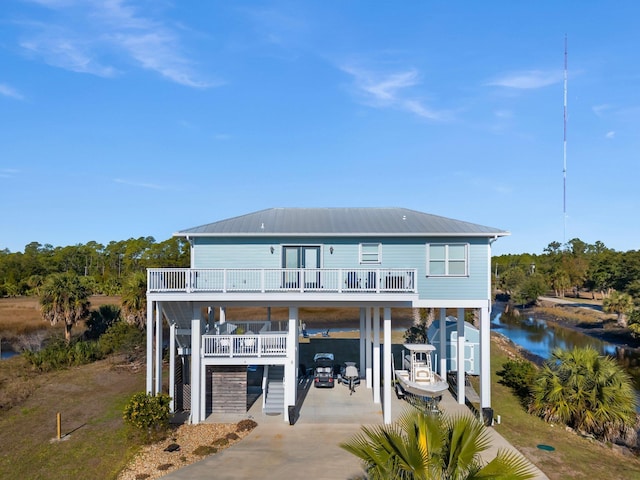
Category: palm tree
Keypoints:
(422, 445)
(101, 319)
(620, 303)
(586, 391)
(64, 298)
(134, 300)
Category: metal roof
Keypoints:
(341, 222)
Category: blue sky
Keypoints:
(122, 119)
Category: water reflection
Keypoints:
(540, 338)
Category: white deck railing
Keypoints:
(263, 280)
(273, 344)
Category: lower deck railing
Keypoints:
(273, 344)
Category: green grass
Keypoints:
(91, 399)
(95, 443)
(573, 457)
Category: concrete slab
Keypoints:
(310, 448)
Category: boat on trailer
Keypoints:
(416, 375)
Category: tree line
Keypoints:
(104, 268)
(571, 269)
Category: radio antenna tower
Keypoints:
(564, 168)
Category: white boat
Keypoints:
(416, 375)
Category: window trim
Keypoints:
(447, 260)
(378, 261)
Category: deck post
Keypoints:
(290, 367)
(150, 359)
(196, 359)
(386, 358)
(443, 343)
(363, 345)
(158, 358)
(367, 335)
(485, 358)
(376, 354)
(460, 360)
(172, 367)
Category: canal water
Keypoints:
(8, 354)
(540, 338)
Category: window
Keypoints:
(447, 259)
(370, 252)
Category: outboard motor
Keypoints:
(351, 376)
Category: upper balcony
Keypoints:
(282, 280)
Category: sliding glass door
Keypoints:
(297, 259)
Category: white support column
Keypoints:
(149, 385)
(485, 358)
(196, 358)
(442, 334)
(158, 358)
(363, 358)
(460, 359)
(290, 379)
(376, 355)
(203, 391)
(386, 358)
(172, 367)
(367, 351)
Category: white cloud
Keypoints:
(503, 113)
(610, 135)
(390, 91)
(531, 79)
(155, 51)
(7, 91)
(138, 184)
(86, 34)
(600, 110)
(8, 172)
(59, 50)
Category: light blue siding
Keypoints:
(211, 252)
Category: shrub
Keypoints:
(148, 414)
(100, 320)
(220, 442)
(588, 392)
(120, 337)
(59, 354)
(204, 450)
(518, 375)
(246, 425)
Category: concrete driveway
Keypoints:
(309, 449)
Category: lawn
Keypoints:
(90, 400)
(573, 457)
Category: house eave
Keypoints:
(343, 235)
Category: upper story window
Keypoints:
(370, 253)
(447, 259)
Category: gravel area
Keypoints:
(195, 442)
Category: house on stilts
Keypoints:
(376, 259)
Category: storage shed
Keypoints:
(471, 345)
